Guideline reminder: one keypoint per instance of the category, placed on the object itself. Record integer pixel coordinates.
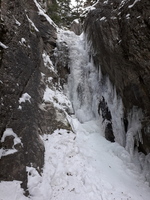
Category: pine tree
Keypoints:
(89, 2)
(77, 10)
(52, 11)
(59, 11)
(62, 13)
(65, 10)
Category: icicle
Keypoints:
(134, 129)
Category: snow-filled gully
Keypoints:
(82, 165)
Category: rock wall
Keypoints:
(76, 27)
(120, 35)
(28, 39)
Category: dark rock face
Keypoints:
(61, 60)
(25, 34)
(106, 115)
(76, 27)
(120, 35)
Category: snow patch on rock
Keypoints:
(16, 140)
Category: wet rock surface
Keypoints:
(120, 35)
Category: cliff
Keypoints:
(119, 33)
(28, 39)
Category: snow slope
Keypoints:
(86, 166)
(81, 165)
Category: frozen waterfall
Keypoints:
(87, 87)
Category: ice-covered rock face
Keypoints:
(119, 33)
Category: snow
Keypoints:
(57, 97)
(16, 140)
(76, 21)
(122, 3)
(17, 22)
(32, 24)
(105, 2)
(20, 107)
(53, 93)
(42, 12)
(25, 97)
(113, 17)
(11, 189)
(133, 3)
(87, 9)
(49, 79)
(128, 16)
(23, 40)
(6, 152)
(103, 18)
(47, 61)
(74, 2)
(3, 45)
(9, 132)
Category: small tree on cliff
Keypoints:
(60, 11)
(77, 9)
(89, 2)
(63, 13)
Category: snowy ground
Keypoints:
(81, 165)
(86, 166)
